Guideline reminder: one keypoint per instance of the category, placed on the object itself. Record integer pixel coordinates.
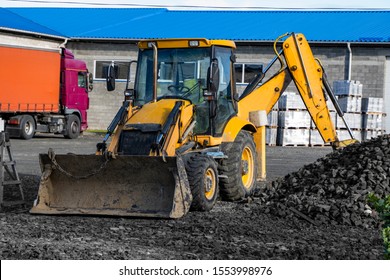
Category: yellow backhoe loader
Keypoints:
(183, 135)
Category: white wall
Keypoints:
(1, 125)
(28, 42)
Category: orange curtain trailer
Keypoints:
(29, 80)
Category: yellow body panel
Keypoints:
(186, 116)
(259, 138)
(157, 113)
(207, 140)
(234, 126)
(185, 43)
(153, 112)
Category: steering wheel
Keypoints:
(179, 88)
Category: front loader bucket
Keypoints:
(139, 186)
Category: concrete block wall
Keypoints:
(368, 63)
(368, 66)
(103, 104)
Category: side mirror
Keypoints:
(110, 78)
(132, 67)
(90, 82)
(212, 80)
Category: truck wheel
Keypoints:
(240, 168)
(202, 173)
(72, 127)
(27, 127)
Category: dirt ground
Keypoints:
(241, 230)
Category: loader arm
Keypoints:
(114, 130)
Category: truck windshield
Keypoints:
(182, 73)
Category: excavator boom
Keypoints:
(310, 80)
(307, 74)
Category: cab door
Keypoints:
(74, 89)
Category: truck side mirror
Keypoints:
(212, 81)
(90, 82)
(110, 78)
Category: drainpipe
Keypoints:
(63, 45)
(349, 61)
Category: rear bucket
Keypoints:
(137, 186)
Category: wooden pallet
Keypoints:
(295, 145)
(319, 145)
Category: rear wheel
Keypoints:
(240, 168)
(27, 127)
(72, 127)
(202, 173)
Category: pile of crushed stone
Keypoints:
(334, 189)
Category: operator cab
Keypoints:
(196, 70)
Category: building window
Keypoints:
(245, 72)
(121, 69)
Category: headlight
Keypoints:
(193, 43)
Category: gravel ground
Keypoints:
(245, 230)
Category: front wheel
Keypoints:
(202, 173)
(72, 130)
(239, 168)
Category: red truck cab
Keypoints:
(75, 83)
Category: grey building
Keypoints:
(352, 45)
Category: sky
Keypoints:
(192, 4)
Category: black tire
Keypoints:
(27, 127)
(72, 130)
(239, 168)
(202, 173)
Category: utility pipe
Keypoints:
(349, 61)
(155, 64)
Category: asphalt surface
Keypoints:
(26, 152)
(280, 160)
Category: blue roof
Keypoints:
(136, 23)
(13, 21)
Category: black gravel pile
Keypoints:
(334, 189)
